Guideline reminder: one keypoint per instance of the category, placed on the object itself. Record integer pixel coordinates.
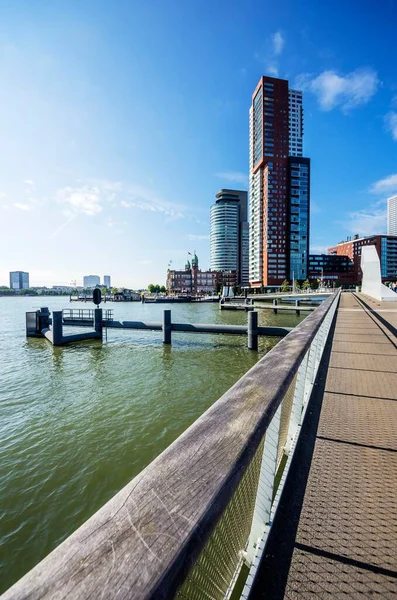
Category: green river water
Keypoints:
(78, 422)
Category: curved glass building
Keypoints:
(228, 234)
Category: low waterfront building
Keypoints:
(19, 280)
(191, 281)
(330, 268)
(386, 247)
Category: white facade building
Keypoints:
(295, 123)
(392, 215)
(256, 211)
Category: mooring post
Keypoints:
(297, 304)
(253, 330)
(167, 327)
(98, 323)
(43, 319)
(57, 328)
(275, 303)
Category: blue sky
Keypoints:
(121, 119)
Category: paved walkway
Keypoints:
(335, 535)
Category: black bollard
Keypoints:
(167, 327)
(253, 330)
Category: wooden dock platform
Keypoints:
(335, 532)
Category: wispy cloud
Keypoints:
(388, 185)
(269, 58)
(193, 236)
(278, 43)
(272, 70)
(369, 221)
(23, 206)
(85, 200)
(65, 224)
(391, 123)
(341, 91)
(234, 177)
(318, 249)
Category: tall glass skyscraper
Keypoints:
(299, 211)
(229, 234)
(392, 215)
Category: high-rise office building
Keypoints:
(276, 133)
(106, 281)
(19, 280)
(295, 123)
(392, 215)
(91, 281)
(229, 250)
(299, 214)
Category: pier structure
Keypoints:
(36, 327)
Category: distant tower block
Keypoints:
(106, 281)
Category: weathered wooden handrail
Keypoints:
(142, 543)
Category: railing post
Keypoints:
(98, 325)
(297, 403)
(297, 304)
(275, 303)
(57, 328)
(264, 496)
(253, 330)
(167, 327)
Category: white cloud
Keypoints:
(278, 42)
(29, 182)
(234, 177)
(84, 200)
(388, 185)
(391, 123)
(125, 204)
(343, 91)
(367, 222)
(272, 70)
(22, 206)
(319, 249)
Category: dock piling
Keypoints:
(57, 328)
(253, 330)
(98, 323)
(275, 303)
(297, 304)
(167, 327)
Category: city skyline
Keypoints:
(78, 189)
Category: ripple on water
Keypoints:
(77, 423)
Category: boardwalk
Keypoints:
(335, 534)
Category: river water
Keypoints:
(78, 422)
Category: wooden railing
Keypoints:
(184, 526)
